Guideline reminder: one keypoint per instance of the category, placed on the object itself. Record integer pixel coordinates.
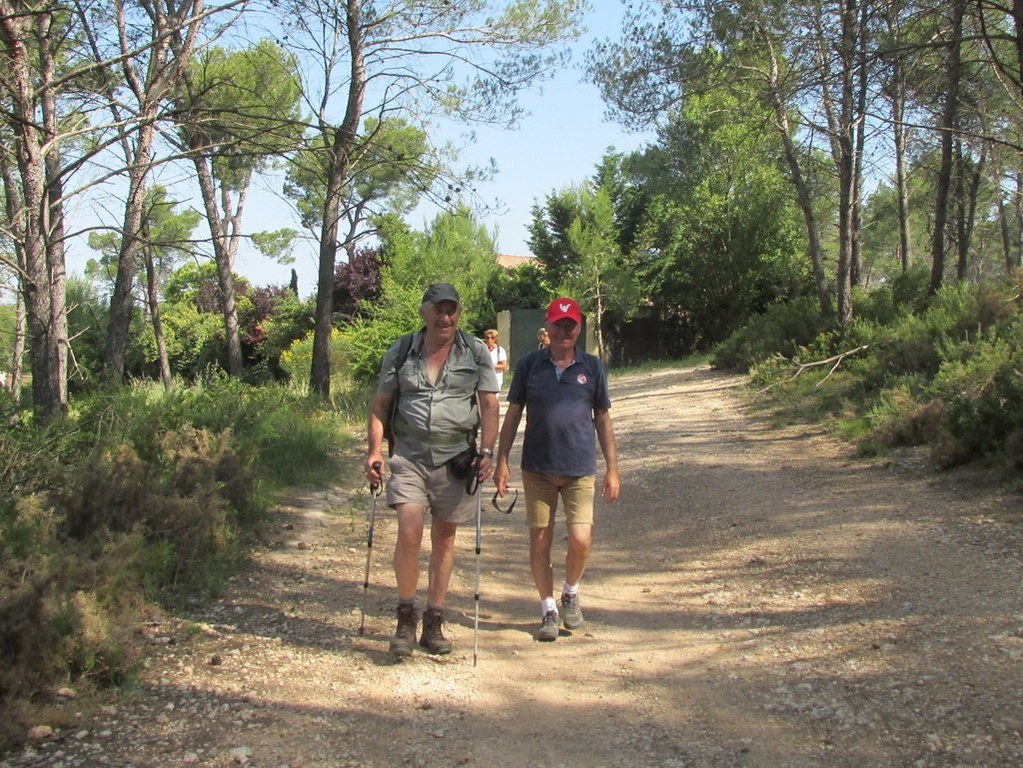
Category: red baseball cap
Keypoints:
(564, 307)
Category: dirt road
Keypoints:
(757, 597)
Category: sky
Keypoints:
(558, 144)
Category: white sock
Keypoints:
(548, 604)
(570, 589)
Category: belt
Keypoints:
(430, 439)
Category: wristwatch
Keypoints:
(487, 451)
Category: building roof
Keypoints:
(514, 262)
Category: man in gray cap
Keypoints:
(444, 390)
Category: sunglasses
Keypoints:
(496, 502)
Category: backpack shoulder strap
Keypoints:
(404, 346)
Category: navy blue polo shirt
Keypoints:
(560, 437)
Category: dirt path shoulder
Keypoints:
(757, 597)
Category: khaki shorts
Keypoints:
(415, 483)
(542, 491)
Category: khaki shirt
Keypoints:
(436, 422)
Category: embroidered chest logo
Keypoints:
(581, 378)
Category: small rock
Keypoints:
(66, 693)
(40, 732)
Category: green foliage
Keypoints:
(8, 313)
(276, 245)
(524, 288)
(784, 329)
(393, 164)
(290, 320)
(949, 376)
(87, 325)
(983, 398)
(886, 303)
(138, 496)
(296, 360)
(168, 238)
(195, 340)
(713, 232)
(364, 342)
(246, 105)
(454, 249)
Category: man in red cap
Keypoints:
(565, 392)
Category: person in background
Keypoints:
(543, 339)
(445, 387)
(565, 394)
(498, 355)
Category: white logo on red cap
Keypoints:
(564, 307)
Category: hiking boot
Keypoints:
(405, 635)
(433, 639)
(571, 613)
(548, 627)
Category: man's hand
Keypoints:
(612, 485)
(501, 475)
(375, 470)
(484, 468)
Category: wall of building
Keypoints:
(518, 327)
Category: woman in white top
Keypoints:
(498, 355)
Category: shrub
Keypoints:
(782, 330)
(138, 495)
(904, 293)
(899, 418)
(296, 361)
(950, 375)
(983, 396)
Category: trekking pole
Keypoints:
(473, 485)
(374, 491)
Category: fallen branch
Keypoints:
(833, 361)
(836, 360)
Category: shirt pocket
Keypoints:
(462, 377)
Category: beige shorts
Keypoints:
(542, 491)
(444, 494)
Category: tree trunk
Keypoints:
(173, 28)
(802, 189)
(1018, 209)
(340, 143)
(18, 352)
(152, 293)
(222, 254)
(1017, 22)
(901, 176)
(49, 349)
(122, 300)
(967, 207)
(16, 217)
(863, 72)
(844, 141)
(1003, 229)
(949, 119)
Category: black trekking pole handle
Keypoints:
(472, 482)
(376, 488)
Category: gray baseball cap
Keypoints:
(439, 292)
